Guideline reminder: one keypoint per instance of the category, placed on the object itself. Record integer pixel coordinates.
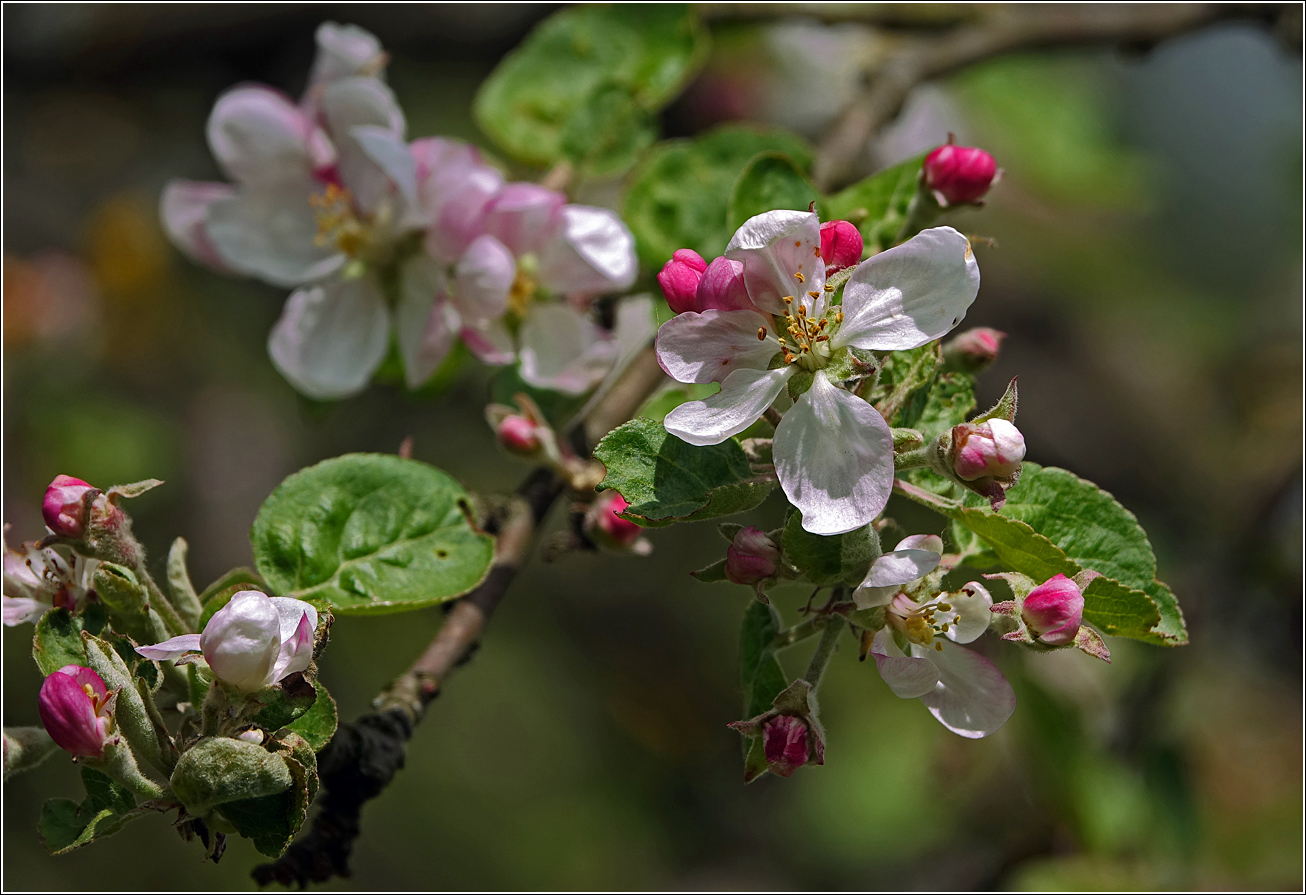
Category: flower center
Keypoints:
(523, 289)
(921, 622)
(337, 223)
(808, 341)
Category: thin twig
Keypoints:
(1004, 29)
(363, 757)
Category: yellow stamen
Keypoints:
(761, 334)
(799, 277)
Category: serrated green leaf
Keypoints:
(535, 102)
(878, 204)
(947, 402)
(760, 673)
(318, 724)
(57, 640)
(680, 195)
(104, 793)
(769, 181)
(369, 533)
(65, 825)
(830, 559)
(267, 821)
(666, 480)
(901, 374)
(282, 705)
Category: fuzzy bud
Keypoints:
(518, 435)
(973, 350)
(722, 288)
(64, 506)
(959, 175)
(604, 527)
(841, 245)
(992, 448)
(679, 279)
(1054, 610)
(751, 557)
(784, 741)
(73, 707)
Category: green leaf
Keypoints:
(760, 673)
(368, 533)
(318, 724)
(239, 575)
(58, 638)
(104, 793)
(267, 821)
(946, 403)
(284, 702)
(218, 770)
(666, 480)
(679, 196)
(769, 181)
(605, 67)
(878, 204)
(830, 559)
(901, 374)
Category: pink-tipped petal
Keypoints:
(841, 245)
(172, 649)
(522, 216)
(972, 698)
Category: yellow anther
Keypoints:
(799, 277)
(761, 334)
(787, 299)
(814, 294)
(839, 317)
(939, 646)
(802, 310)
(828, 288)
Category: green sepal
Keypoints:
(829, 559)
(57, 640)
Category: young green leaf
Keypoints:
(585, 82)
(666, 480)
(901, 374)
(680, 195)
(769, 181)
(367, 533)
(318, 724)
(830, 559)
(57, 640)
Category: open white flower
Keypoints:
(833, 451)
(38, 579)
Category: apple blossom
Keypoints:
(841, 245)
(74, 707)
(37, 579)
(679, 279)
(973, 350)
(1054, 610)
(64, 505)
(252, 642)
(752, 557)
(785, 744)
(833, 451)
(606, 528)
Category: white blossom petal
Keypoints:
(900, 567)
(775, 246)
(426, 322)
(972, 698)
(490, 343)
(347, 104)
(524, 216)
(456, 200)
(563, 350)
(708, 347)
(331, 338)
(834, 456)
(269, 233)
(591, 253)
(906, 676)
(184, 210)
(172, 649)
(745, 395)
(298, 622)
(261, 138)
(343, 51)
(242, 641)
(391, 155)
(971, 614)
(910, 294)
(483, 278)
(21, 610)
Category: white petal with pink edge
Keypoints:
(708, 347)
(331, 338)
(972, 698)
(781, 254)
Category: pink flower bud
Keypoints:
(974, 349)
(751, 557)
(1054, 610)
(679, 279)
(841, 245)
(993, 448)
(72, 706)
(784, 741)
(64, 506)
(722, 287)
(604, 527)
(959, 174)
(518, 435)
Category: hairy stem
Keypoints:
(824, 650)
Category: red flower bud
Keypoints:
(518, 435)
(72, 707)
(974, 349)
(841, 245)
(1054, 610)
(785, 743)
(64, 506)
(679, 279)
(604, 527)
(751, 557)
(993, 448)
(722, 288)
(959, 175)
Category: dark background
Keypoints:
(1147, 266)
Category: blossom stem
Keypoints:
(913, 459)
(160, 603)
(799, 632)
(834, 626)
(923, 211)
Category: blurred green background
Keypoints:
(1146, 262)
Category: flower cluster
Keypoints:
(379, 237)
(762, 318)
